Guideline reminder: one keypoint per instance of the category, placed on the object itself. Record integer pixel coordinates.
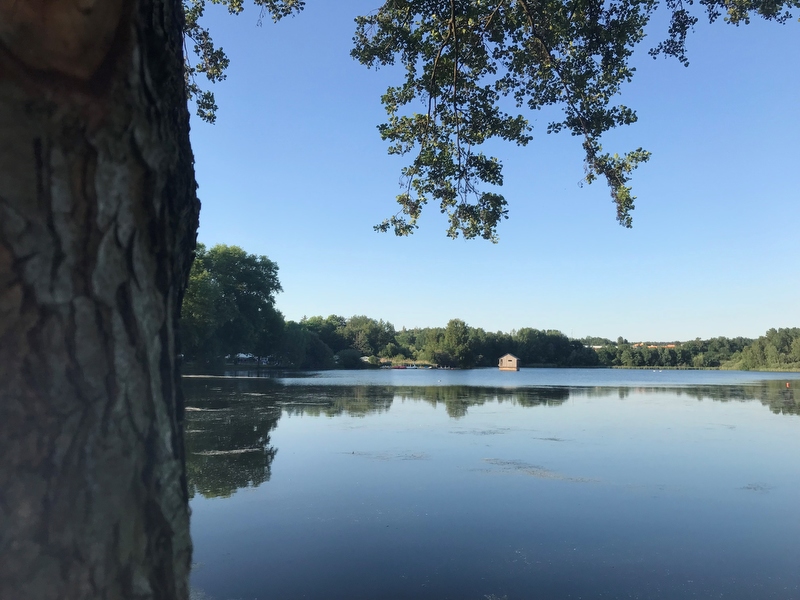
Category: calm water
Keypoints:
(479, 484)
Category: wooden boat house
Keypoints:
(509, 362)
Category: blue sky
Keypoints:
(295, 169)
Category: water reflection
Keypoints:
(332, 400)
(229, 420)
(775, 394)
(780, 399)
(434, 491)
(227, 438)
(457, 399)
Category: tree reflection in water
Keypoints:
(229, 420)
(227, 436)
(457, 399)
(774, 394)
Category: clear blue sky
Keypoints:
(295, 169)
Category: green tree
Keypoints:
(796, 349)
(391, 349)
(607, 355)
(684, 357)
(367, 335)
(596, 341)
(462, 58)
(482, 346)
(531, 346)
(456, 343)
(777, 349)
(302, 348)
(649, 356)
(430, 346)
(349, 358)
(581, 356)
(668, 357)
(269, 337)
(330, 330)
(229, 305)
(201, 313)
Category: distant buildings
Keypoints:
(639, 345)
(642, 345)
(509, 362)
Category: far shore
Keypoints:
(199, 372)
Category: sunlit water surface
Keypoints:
(479, 484)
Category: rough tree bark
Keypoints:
(98, 217)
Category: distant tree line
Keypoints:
(778, 349)
(693, 354)
(229, 315)
(455, 345)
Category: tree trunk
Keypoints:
(98, 217)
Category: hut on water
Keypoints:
(509, 362)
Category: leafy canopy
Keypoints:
(471, 65)
(229, 305)
(211, 62)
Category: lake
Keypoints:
(477, 484)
